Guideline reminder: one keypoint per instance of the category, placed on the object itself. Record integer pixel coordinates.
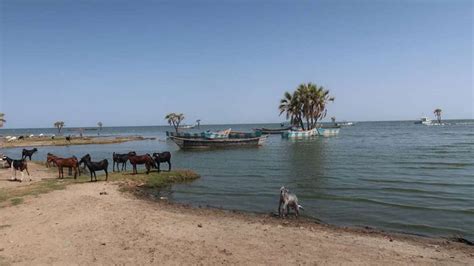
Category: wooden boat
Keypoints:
(200, 141)
(267, 131)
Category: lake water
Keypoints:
(395, 176)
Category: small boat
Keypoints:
(197, 124)
(267, 131)
(325, 131)
(299, 133)
(424, 121)
(200, 141)
(345, 124)
(328, 131)
(186, 126)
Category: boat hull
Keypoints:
(329, 131)
(269, 131)
(201, 143)
(321, 131)
(291, 134)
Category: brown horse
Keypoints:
(141, 159)
(49, 159)
(67, 162)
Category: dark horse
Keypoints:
(28, 153)
(95, 166)
(163, 157)
(121, 158)
(66, 162)
(141, 159)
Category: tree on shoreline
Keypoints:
(437, 113)
(59, 125)
(174, 120)
(99, 124)
(307, 105)
(2, 119)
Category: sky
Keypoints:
(129, 63)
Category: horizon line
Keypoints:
(220, 124)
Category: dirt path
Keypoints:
(79, 225)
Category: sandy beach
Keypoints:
(82, 225)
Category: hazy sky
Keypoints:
(131, 62)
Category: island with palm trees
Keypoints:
(428, 122)
(305, 108)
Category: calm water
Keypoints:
(395, 176)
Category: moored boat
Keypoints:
(267, 131)
(325, 131)
(201, 141)
(328, 131)
(299, 133)
(424, 121)
(345, 124)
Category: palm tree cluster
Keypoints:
(2, 119)
(437, 113)
(174, 120)
(306, 105)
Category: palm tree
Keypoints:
(174, 120)
(59, 125)
(99, 124)
(437, 113)
(2, 119)
(291, 106)
(198, 123)
(308, 102)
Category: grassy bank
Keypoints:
(61, 141)
(128, 182)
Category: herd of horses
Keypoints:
(73, 164)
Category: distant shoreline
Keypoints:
(61, 141)
(225, 124)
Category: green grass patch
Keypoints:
(16, 201)
(155, 179)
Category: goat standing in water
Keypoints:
(142, 159)
(66, 162)
(28, 153)
(164, 157)
(15, 165)
(121, 158)
(95, 166)
(288, 200)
